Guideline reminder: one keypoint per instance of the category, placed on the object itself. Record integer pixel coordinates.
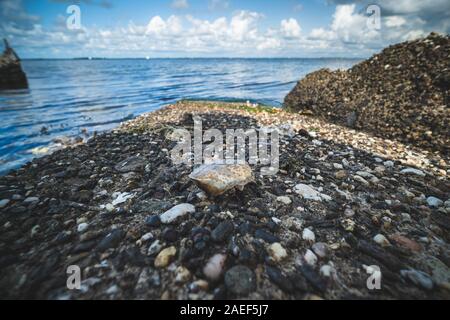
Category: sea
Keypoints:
(69, 98)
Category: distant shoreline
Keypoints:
(191, 58)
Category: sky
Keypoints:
(216, 28)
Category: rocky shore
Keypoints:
(139, 227)
(11, 73)
(401, 93)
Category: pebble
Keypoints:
(214, 267)
(109, 207)
(440, 273)
(145, 238)
(309, 193)
(183, 275)
(111, 240)
(381, 240)
(4, 203)
(348, 225)
(35, 230)
(240, 280)
(31, 200)
(327, 270)
(310, 258)
(154, 248)
(277, 252)
(112, 290)
(153, 221)
(361, 180)
(121, 197)
(277, 277)
(320, 249)
(308, 235)
(177, 212)
(434, 202)
(222, 231)
(284, 199)
(341, 174)
(406, 242)
(165, 257)
(169, 235)
(348, 212)
(413, 171)
(82, 227)
(216, 179)
(419, 278)
(266, 236)
(388, 164)
(199, 285)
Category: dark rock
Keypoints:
(153, 221)
(169, 235)
(111, 240)
(222, 231)
(11, 73)
(277, 277)
(84, 246)
(400, 93)
(313, 277)
(240, 280)
(389, 260)
(266, 236)
(131, 164)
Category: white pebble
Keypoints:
(327, 270)
(413, 171)
(284, 199)
(176, 212)
(154, 248)
(82, 227)
(277, 252)
(381, 240)
(308, 235)
(434, 202)
(310, 258)
(214, 267)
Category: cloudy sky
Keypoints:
(216, 28)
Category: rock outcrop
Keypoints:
(401, 93)
(11, 73)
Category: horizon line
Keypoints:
(158, 58)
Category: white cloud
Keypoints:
(394, 21)
(290, 28)
(158, 27)
(180, 4)
(243, 33)
(322, 34)
(269, 43)
(243, 25)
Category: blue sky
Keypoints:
(216, 28)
